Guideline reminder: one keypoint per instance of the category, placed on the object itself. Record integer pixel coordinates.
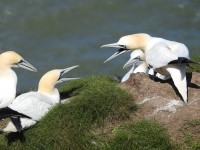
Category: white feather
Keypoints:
(159, 56)
(140, 65)
(33, 104)
(178, 75)
(160, 52)
(10, 128)
(127, 75)
(8, 83)
(178, 49)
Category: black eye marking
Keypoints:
(21, 61)
(138, 57)
(123, 47)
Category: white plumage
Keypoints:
(159, 54)
(8, 78)
(8, 83)
(36, 104)
(138, 63)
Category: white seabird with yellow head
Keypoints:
(30, 107)
(164, 56)
(8, 77)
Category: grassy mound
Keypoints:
(68, 125)
(97, 117)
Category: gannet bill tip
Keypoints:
(114, 45)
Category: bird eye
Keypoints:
(138, 57)
(21, 61)
(123, 47)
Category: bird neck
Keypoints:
(7, 72)
(143, 41)
(141, 68)
(51, 92)
(46, 86)
(53, 96)
(46, 89)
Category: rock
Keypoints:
(161, 101)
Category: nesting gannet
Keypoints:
(30, 107)
(8, 78)
(164, 56)
(137, 60)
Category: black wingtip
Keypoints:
(7, 112)
(183, 60)
(17, 123)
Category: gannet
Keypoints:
(164, 56)
(8, 77)
(137, 60)
(30, 107)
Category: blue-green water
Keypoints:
(61, 33)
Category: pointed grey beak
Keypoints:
(115, 45)
(26, 65)
(119, 52)
(135, 61)
(68, 69)
(122, 49)
(63, 71)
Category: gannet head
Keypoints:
(136, 57)
(12, 59)
(51, 78)
(127, 43)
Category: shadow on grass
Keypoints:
(15, 136)
(67, 94)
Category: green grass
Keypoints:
(142, 135)
(68, 125)
(192, 135)
(98, 117)
(193, 123)
(194, 67)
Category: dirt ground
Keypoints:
(160, 100)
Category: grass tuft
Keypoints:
(194, 67)
(67, 126)
(142, 135)
(192, 134)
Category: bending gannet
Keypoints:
(137, 60)
(8, 78)
(30, 107)
(164, 56)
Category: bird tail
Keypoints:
(178, 75)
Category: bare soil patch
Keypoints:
(161, 101)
